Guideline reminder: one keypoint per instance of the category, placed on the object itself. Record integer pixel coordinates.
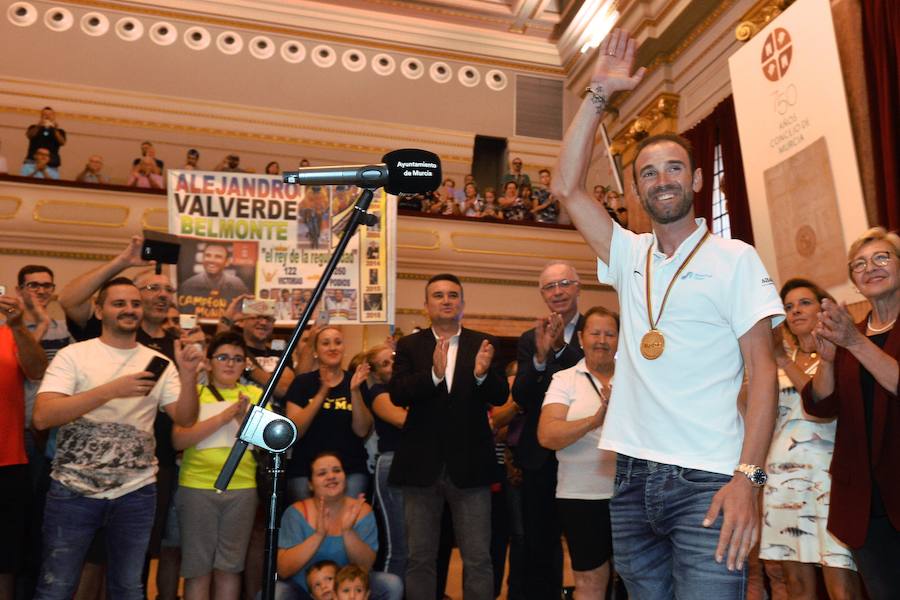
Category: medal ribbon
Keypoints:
(662, 306)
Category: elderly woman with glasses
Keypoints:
(857, 382)
(216, 527)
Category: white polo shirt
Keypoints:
(681, 408)
(584, 473)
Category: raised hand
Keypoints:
(439, 360)
(483, 358)
(615, 61)
(187, 357)
(12, 308)
(131, 255)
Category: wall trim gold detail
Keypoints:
(145, 217)
(657, 111)
(36, 213)
(18, 202)
(457, 235)
(230, 23)
(57, 254)
(755, 19)
(436, 245)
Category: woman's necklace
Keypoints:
(881, 329)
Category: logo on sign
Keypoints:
(776, 54)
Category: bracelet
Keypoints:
(598, 98)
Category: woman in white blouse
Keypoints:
(571, 417)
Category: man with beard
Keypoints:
(550, 347)
(157, 297)
(696, 312)
(214, 281)
(104, 401)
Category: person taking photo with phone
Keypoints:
(103, 394)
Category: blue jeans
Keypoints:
(660, 547)
(70, 522)
(389, 504)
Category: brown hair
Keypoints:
(351, 573)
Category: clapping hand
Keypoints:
(352, 508)
(548, 334)
(483, 358)
(360, 375)
(836, 326)
(439, 361)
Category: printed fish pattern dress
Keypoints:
(798, 492)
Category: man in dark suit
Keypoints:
(445, 377)
(550, 347)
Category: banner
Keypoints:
(243, 233)
(800, 164)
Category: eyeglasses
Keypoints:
(236, 359)
(879, 259)
(157, 288)
(35, 286)
(562, 283)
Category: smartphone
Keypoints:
(260, 307)
(187, 322)
(157, 366)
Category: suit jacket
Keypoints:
(529, 389)
(851, 470)
(444, 430)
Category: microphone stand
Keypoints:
(273, 432)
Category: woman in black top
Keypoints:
(327, 407)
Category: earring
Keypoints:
(316, 356)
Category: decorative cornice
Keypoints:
(762, 13)
(317, 36)
(661, 109)
(57, 254)
(420, 312)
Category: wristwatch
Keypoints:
(755, 474)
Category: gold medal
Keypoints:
(652, 344)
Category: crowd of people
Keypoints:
(43, 161)
(516, 198)
(711, 421)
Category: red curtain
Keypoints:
(881, 47)
(720, 127)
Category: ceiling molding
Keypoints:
(322, 22)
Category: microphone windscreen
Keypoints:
(412, 171)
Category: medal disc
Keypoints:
(652, 344)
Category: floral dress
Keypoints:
(797, 494)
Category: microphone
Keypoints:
(407, 171)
